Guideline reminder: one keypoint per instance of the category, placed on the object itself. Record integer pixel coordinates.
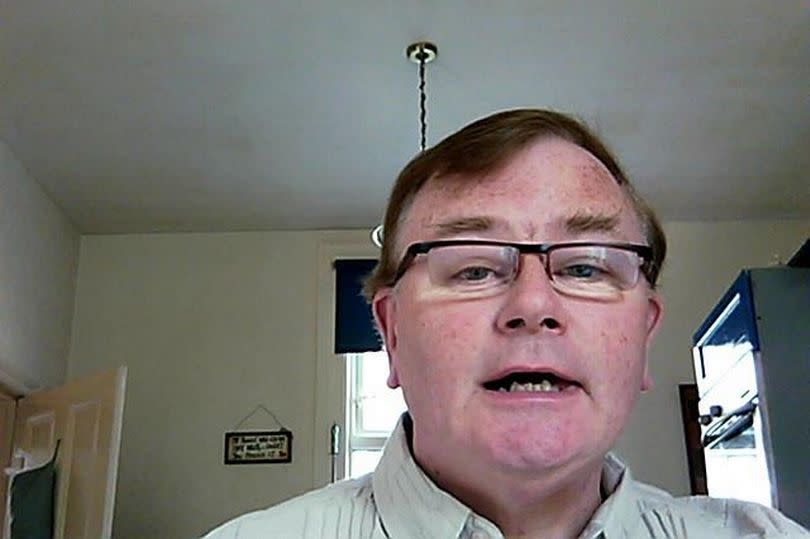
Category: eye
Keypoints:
(474, 274)
(582, 270)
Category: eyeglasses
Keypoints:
(476, 268)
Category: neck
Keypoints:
(555, 504)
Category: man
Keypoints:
(516, 298)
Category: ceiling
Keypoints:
(213, 115)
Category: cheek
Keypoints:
(621, 352)
(439, 342)
(617, 368)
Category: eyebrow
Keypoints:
(464, 224)
(587, 222)
(578, 223)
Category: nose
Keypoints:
(531, 304)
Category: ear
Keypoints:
(655, 315)
(384, 307)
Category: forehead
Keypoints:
(529, 199)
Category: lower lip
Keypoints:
(566, 394)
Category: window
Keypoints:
(372, 410)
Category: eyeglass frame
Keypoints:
(421, 248)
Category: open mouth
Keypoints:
(536, 382)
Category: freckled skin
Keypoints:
(441, 350)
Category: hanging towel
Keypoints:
(32, 501)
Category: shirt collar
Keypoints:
(617, 509)
(411, 505)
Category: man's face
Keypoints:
(444, 349)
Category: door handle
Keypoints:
(334, 448)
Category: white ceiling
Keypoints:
(177, 115)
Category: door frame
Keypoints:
(11, 389)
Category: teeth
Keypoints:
(543, 387)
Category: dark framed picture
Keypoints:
(258, 447)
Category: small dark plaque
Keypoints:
(258, 447)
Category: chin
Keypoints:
(528, 454)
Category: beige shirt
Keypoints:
(398, 501)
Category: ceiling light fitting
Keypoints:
(420, 53)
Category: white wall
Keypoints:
(209, 325)
(39, 250)
(212, 324)
(703, 260)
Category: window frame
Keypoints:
(357, 438)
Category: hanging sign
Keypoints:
(258, 447)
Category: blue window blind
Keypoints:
(354, 323)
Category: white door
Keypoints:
(86, 415)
